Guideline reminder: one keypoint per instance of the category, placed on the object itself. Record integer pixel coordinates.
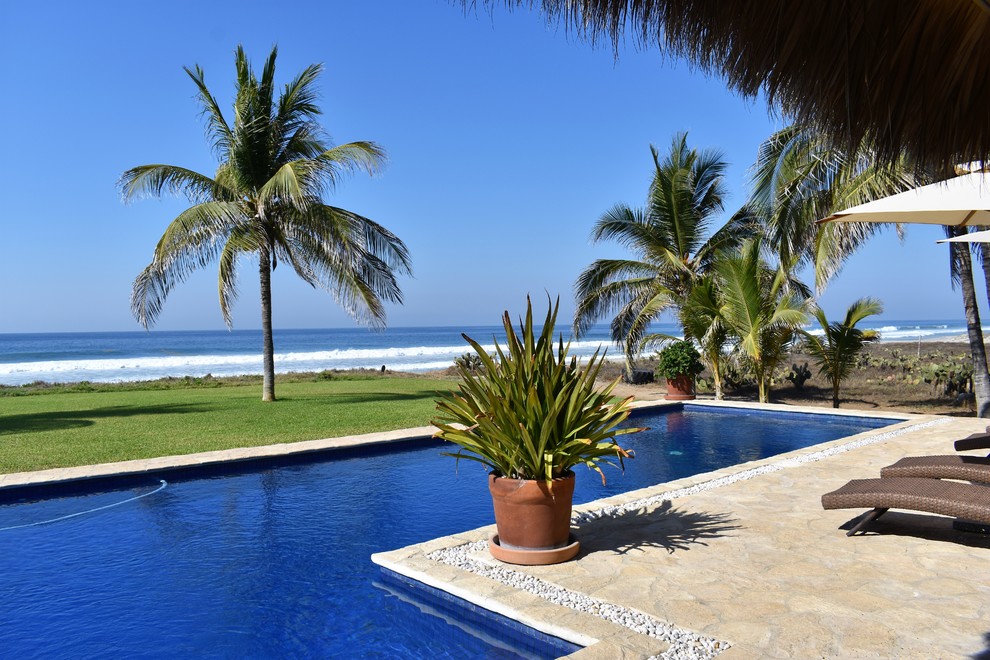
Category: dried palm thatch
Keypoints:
(908, 75)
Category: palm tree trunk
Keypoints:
(717, 379)
(630, 364)
(835, 393)
(981, 378)
(985, 262)
(268, 344)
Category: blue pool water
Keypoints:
(274, 560)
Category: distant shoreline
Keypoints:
(414, 355)
(952, 339)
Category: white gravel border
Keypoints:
(655, 500)
(684, 644)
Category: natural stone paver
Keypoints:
(759, 564)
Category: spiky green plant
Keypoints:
(533, 413)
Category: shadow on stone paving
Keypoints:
(985, 653)
(664, 527)
(919, 526)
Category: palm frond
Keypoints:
(799, 177)
(381, 242)
(607, 284)
(742, 307)
(626, 226)
(645, 311)
(335, 224)
(305, 141)
(686, 192)
(220, 134)
(297, 104)
(190, 242)
(862, 308)
(351, 257)
(266, 86)
(741, 227)
(287, 185)
(157, 180)
(240, 242)
(348, 158)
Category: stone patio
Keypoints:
(749, 566)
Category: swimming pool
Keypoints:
(272, 559)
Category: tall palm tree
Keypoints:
(961, 269)
(267, 199)
(760, 310)
(836, 349)
(670, 237)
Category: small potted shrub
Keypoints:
(531, 415)
(678, 363)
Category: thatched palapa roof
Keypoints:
(911, 75)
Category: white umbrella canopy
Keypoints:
(972, 237)
(962, 201)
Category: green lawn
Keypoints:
(79, 428)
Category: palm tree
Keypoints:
(701, 319)
(836, 349)
(799, 178)
(266, 199)
(760, 310)
(670, 238)
(961, 270)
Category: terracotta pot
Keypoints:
(680, 388)
(532, 515)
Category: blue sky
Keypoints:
(507, 139)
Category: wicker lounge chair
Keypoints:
(975, 441)
(948, 498)
(951, 466)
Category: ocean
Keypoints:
(129, 356)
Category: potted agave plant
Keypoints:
(678, 363)
(531, 415)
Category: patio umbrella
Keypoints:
(972, 237)
(960, 202)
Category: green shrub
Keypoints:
(949, 378)
(679, 358)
